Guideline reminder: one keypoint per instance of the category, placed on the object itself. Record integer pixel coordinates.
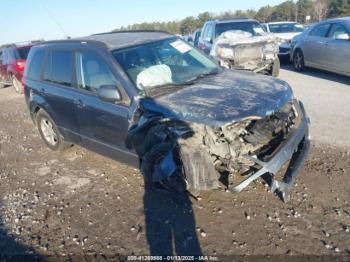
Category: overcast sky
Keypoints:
(23, 20)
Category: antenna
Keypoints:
(55, 20)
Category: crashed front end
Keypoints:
(241, 50)
(247, 149)
(257, 147)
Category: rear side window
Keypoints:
(320, 31)
(35, 63)
(58, 67)
(23, 52)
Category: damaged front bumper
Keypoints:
(295, 149)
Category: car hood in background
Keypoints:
(226, 97)
(287, 36)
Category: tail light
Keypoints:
(201, 46)
(20, 65)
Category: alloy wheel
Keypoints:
(48, 131)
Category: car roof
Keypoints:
(120, 39)
(234, 20)
(16, 47)
(278, 23)
(343, 20)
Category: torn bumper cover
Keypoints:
(295, 149)
(205, 155)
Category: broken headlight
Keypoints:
(225, 52)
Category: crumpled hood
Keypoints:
(223, 98)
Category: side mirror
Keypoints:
(109, 93)
(345, 37)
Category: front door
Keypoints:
(102, 124)
(315, 45)
(338, 51)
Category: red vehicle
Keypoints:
(12, 64)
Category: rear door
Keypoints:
(337, 52)
(59, 92)
(101, 123)
(315, 45)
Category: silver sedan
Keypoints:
(325, 45)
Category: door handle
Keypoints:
(79, 103)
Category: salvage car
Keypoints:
(241, 44)
(151, 100)
(12, 64)
(325, 45)
(284, 31)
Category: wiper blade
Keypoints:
(200, 76)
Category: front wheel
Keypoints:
(49, 132)
(298, 61)
(17, 84)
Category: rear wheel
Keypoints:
(298, 61)
(49, 132)
(17, 84)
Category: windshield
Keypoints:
(251, 27)
(170, 62)
(286, 28)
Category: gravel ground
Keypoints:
(80, 203)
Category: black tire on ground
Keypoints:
(17, 85)
(275, 70)
(150, 160)
(49, 132)
(298, 61)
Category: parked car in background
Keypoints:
(241, 44)
(12, 65)
(195, 37)
(152, 100)
(285, 31)
(325, 45)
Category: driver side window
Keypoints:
(92, 72)
(320, 31)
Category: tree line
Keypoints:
(302, 11)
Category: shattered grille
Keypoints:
(268, 134)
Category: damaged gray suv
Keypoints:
(151, 100)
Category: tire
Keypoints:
(174, 183)
(49, 131)
(275, 70)
(298, 61)
(17, 85)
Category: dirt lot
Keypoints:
(78, 202)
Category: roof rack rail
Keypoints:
(75, 41)
(133, 31)
(235, 18)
